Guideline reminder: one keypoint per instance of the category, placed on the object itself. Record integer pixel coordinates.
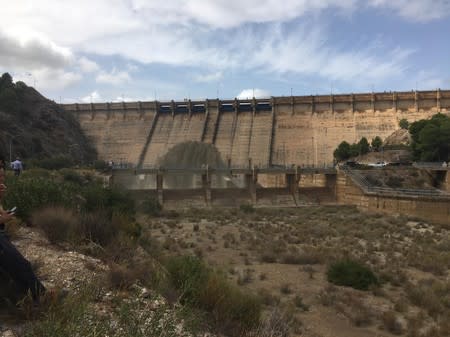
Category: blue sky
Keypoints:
(114, 50)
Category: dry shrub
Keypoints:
(268, 257)
(429, 295)
(349, 303)
(59, 224)
(278, 323)
(268, 298)
(304, 257)
(98, 228)
(393, 323)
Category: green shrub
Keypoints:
(352, 274)
(395, 182)
(53, 163)
(247, 208)
(72, 176)
(100, 165)
(151, 206)
(29, 194)
(403, 123)
(66, 188)
(98, 227)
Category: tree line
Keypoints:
(430, 141)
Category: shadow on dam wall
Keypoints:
(192, 155)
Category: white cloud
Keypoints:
(210, 77)
(416, 10)
(88, 66)
(32, 52)
(113, 78)
(93, 97)
(304, 50)
(48, 78)
(250, 93)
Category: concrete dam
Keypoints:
(278, 131)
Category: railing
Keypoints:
(432, 165)
(125, 167)
(368, 187)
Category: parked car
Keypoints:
(378, 164)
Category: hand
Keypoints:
(5, 216)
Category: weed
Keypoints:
(298, 302)
(392, 323)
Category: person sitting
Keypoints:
(12, 262)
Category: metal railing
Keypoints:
(432, 165)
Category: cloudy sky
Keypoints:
(114, 50)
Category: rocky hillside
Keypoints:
(35, 127)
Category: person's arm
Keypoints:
(5, 216)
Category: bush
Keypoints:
(29, 194)
(352, 274)
(32, 192)
(97, 227)
(247, 208)
(58, 223)
(108, 200)
(231, 310)
(53, 163)
(72, 176)
(151, 206)
(404, 124)
(100, 165)
(395, 182)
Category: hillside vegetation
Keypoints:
(35, 127)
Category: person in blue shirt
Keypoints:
(17, 166)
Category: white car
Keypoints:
(378, 164)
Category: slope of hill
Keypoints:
(32, 126)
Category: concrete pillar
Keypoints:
(292, 105)
(292, 180)
(416, 100)
(159, 187)
(330, 182)
(394, 101)
(447, 180)
(438, 100)
(251, 181)
(372, 100)
(352, 103)
(206, 185)
(92, 111)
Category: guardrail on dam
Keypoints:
(300, 130)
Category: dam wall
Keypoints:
(300, 130)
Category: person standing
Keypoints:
(17, 166)
(12, 262)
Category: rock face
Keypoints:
(33, 126)
(399, 137)
(301, 130)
